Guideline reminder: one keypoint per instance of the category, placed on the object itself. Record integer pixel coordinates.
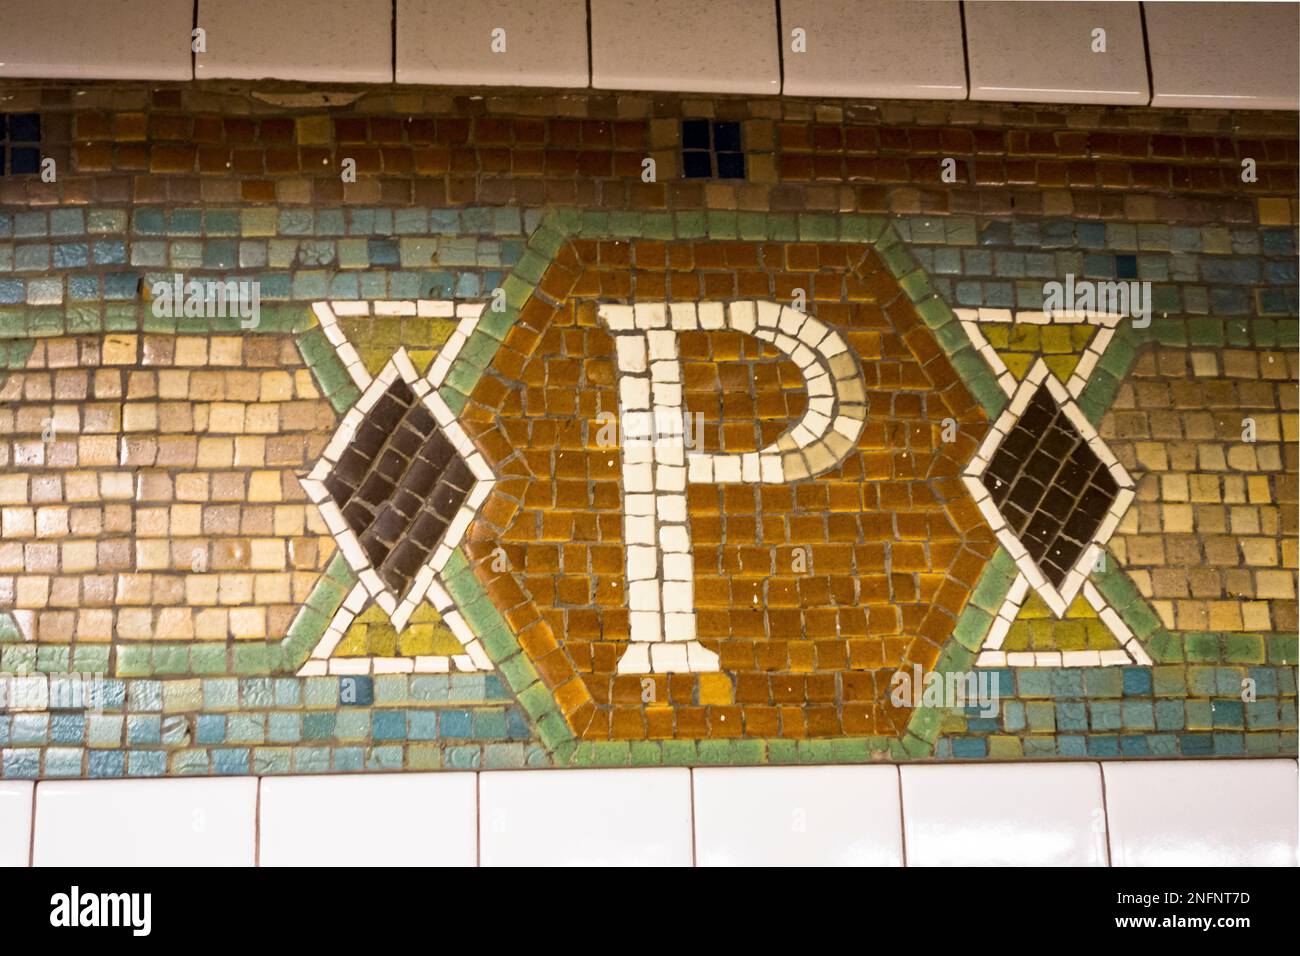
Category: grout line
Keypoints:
(1146, 53)
(690, 782)
(31, 830)
(257, 825)
(965, 49)
(591, 73)
(194, 25)
(1105, 810)
(780, 47)
(393, 43)
(902, 814)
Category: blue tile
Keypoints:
(210, 729)
(24, 763)
(144, 729)
(697, 164)
(455, 723)
(121, 286)
(731, 165)
(110, 252)
(1137, 680)
(71, 255)
(317, 725)
(695, 134)
(349, 758)
(969, 748)
(221, 254)
(230, 762)
(106, 763)
(24, 127)
(148, 222)
(67, 222)
(423, 725)
(726, 137)
(24, 161)
(146, 763)
(389, 725)
(296, 222)
(67, 729)
(356, 691)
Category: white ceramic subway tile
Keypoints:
(104, 40)
(197, 822)
(1042, 52)
(349, 41)
(895, 49)
(1202, 812)
(797, 816)
(358, 820)
(585, 818)
(540, 43)
(719, 46)
(1004, 815)
(1224, 55)
(15, 822)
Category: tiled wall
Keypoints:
(1073, 814)
(154, 527)
(1163, 54)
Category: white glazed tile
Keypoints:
(797, 816)
(450, 42)
(1041, 52)
(1202, 812)
(343, 40)
(1224, 55)
(585, 818)
(1004, 815)
(104, 40)
(722, 46)
(15, 822)
(356, 820)
(197, 822)
(892, 49)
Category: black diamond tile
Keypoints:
(1049, 486)
(399, 485)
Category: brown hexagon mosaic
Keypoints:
(812, 593)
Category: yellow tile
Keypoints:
(212, 624)
(715, 689)
(265, 486)
(314, 130)
(267, 554)
(191, 350)
(120, 350)
(248, 622)
(226, 350)
(1274, 211)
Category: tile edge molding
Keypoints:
(64, 60)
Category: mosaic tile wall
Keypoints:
(382, 525)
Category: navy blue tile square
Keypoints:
(726, 137)
(731, 165)
(356, 691)
(24, 128)
(3, 121)
(24, 161)
(1126, 267)
(695, 134)
(696, 165)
